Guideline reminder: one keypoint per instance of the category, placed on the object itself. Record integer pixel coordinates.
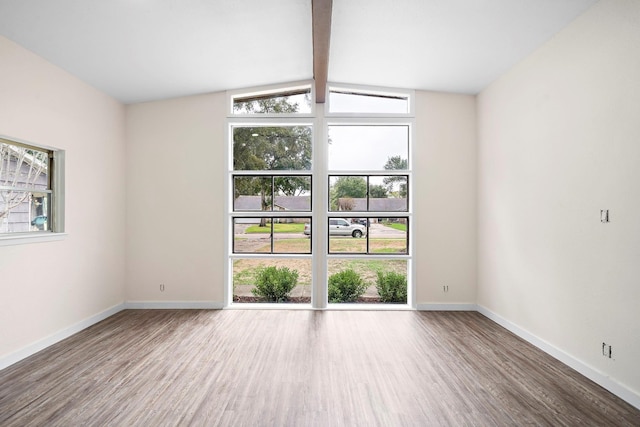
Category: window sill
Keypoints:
(22, 239)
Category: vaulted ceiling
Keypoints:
(142, 50)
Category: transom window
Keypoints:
(358, 101)
(295, 100)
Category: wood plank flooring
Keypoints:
(300, 368)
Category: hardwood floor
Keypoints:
(300, 368)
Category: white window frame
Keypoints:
(57, 223)
(320, 120)
(243, 119)
(352, 119)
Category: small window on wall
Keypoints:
(30, 189)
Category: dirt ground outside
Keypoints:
(244, 274)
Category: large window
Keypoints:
(369, 212)
(30, 189)
(329, 229)
(271, 197)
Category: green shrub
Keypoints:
(392, 287)
(346, 286)
(275, 284)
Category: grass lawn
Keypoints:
(368, 269)
(336, 245)
(396, 226)
(277, 228)
(244, 270)
(391, 246)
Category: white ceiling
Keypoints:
(141, 50)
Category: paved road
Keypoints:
(375, 230)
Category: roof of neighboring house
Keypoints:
(303, 204)
(377, 205)
(288, 203)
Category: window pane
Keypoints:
(357, 193)
(289, 237)
(367, 147)
(388, 193)
(255, 193)
(291, 102)
(24, 211)
(252, 193)
(393, 280)
(252, 235)
(348, 193)
(350, 102)
(293, 193)
(271, 235)
(247, 274)
(347, 235)
(388, 235)
(272, 148)
(23, 167)
(384, 236)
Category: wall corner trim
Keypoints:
(594, 375)
(43, 343)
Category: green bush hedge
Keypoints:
(346, 286)
(275, 284)
(392, 287)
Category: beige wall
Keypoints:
(559, 140)
(175, 188)
(48, 287)
(175, 200)
(444, 190)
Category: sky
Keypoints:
(366, 148)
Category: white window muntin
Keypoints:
(373, 120)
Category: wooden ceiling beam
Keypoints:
(321, 17)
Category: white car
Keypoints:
(341, 227)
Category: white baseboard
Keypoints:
(594, 375)
(446, 307)
(174, 305)
(39, 345)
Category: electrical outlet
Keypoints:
(607, 350)
(161, 287)
(445, 288)
(604, 215)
